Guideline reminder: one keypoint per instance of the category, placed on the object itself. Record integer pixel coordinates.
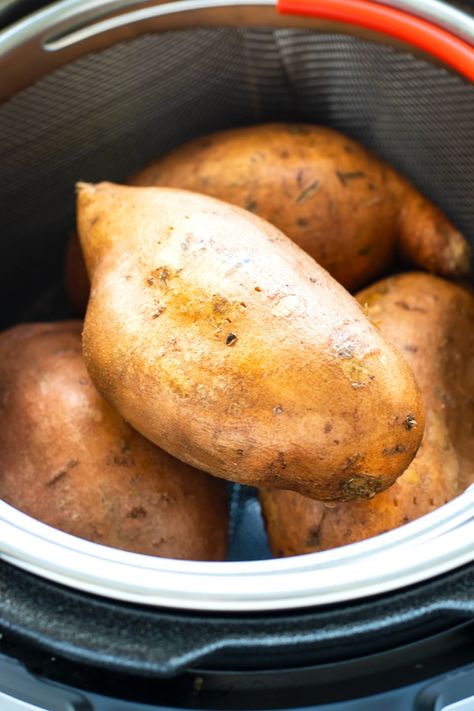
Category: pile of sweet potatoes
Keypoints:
(221, 341)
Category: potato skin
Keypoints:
(349, 210)
(432, 323)
(69, 460)
(224, 343)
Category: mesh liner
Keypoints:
(107, 114)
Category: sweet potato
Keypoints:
(69, 460)
(341, 204)
(224, 343)
(432, 323)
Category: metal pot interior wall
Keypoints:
(108, 113)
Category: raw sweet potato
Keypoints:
(432, 323)
(345, 207)
(69, 460)
(223, 342)
(341, 204)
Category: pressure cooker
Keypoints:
(94, 89)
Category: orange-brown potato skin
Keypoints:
(349, 210)
(69, 460)
(220, 340)
(432, 323)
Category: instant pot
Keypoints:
(93, 90)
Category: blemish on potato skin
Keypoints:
(308, 192)
(314, 536)
(346, 350)
(327, 427)
(235, 267)
(137, 512)
(231, 339)
(365, 251)
(410, 307)
(353, 459)
(396, 449)
(123, 460)
(161, 277)
(57, 477)
(220, 304)
(410, 422)
(347, 177)
(361, 486)
(158, 312)
(277, 410)
(186, 243)
(62, 472)
(160, 543)
(277, 465)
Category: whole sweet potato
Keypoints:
(345, 207)
(432, 323)
(69, 460)
(341, 204)
(223, 342)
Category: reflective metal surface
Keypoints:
(61, 39)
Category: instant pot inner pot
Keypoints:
(107, 114)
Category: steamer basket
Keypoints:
(93, 90)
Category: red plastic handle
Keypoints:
(411, 29)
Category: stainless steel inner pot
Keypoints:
(93, 90)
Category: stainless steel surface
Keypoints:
(439, 13)
(434, 544)
(113, 91)
(65, 30)
(8, 703)
(464, 705)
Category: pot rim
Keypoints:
(433, 544)
(429, 546)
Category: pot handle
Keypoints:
(418, 32)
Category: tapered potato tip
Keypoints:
(344, 206)
(430, 241)
(93, 202)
